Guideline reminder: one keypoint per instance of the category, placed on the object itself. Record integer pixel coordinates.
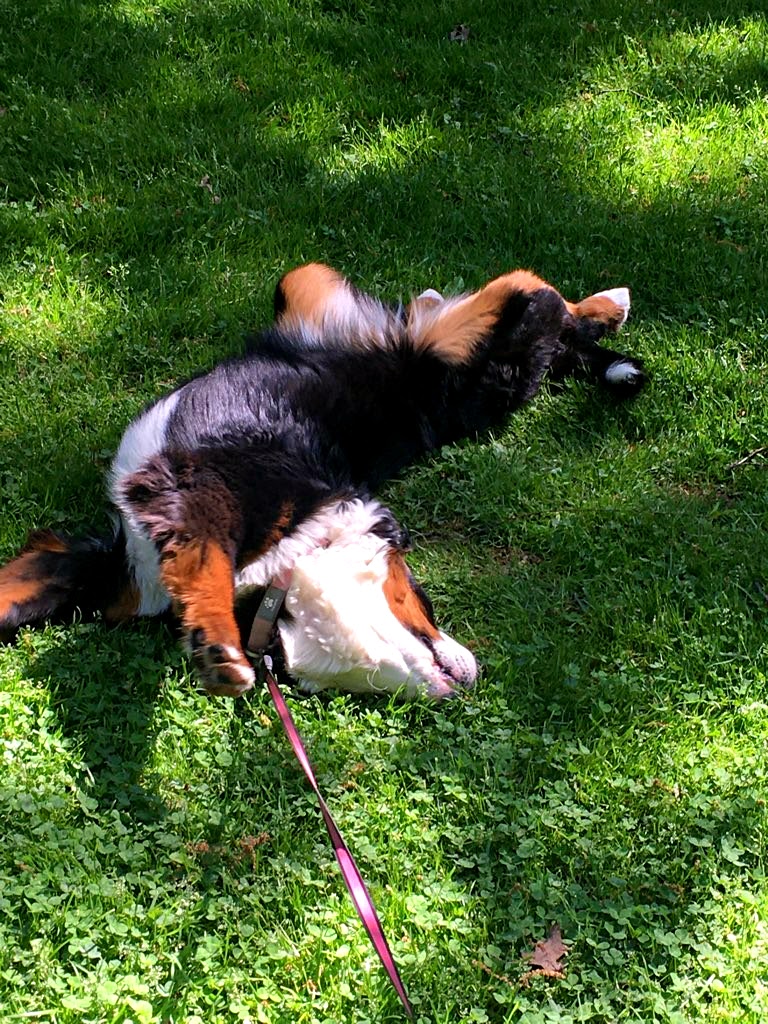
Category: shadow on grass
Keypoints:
(576, 686)
(104, 684)
(89, 45)
(621, 582)
(139, 169)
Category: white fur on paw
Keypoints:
(622, 372)
(223, 669)
(233, 661)
(432, 295)
(620, 296)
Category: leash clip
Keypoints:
(264, 621)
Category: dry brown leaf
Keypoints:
(540, 972)
(249, 843)
(547, 956)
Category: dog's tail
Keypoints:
(53, 577)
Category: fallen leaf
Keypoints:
(547, 957)
(459, 34)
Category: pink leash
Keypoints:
(361, 898)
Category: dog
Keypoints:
(267, 463)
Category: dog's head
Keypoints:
(356, 618)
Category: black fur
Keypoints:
(299, 423)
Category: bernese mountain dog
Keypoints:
(267, 464)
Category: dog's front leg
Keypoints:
(193, 519)
(199, 576)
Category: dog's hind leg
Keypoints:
(189, 514)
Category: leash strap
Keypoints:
(261, 630)
(349, 870)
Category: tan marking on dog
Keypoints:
(600, 308)
(125, 607)
(16, 586)
(200, 577)
(403, 601)
(45, 540)
(453, 329)
(308, 291)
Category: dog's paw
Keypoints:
(223, 669)
(625, 376)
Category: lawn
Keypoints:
(162, 162)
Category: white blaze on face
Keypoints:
(344, 634)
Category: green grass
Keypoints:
(161, 163)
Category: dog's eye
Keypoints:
(393, 533)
